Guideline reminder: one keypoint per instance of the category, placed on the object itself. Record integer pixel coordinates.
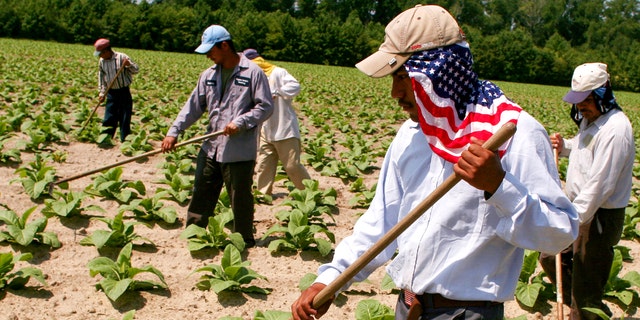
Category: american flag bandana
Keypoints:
(453, 104)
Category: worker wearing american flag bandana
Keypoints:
(461, 258)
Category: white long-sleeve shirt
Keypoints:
(283, 123)
(600, 168)
(464, 247)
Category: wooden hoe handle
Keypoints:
(142, 156)
(498, 139)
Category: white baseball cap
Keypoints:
(586, 78)
(416, 29)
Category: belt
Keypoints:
(430, 300)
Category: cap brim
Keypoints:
(575, 97)
(382, 63)
(204, 48)
(96, 53)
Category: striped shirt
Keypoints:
(108, 69)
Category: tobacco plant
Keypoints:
(68, 204)
(271, 315)
(35, 177)
(120, 233)
(180, 185)
(370, 309)
(19, 278)
(151, 209)
(111, 186)
(311, 202)
(11, 155)
(19, 230)
(44, 129)
(214, 236)
(136, 144)
(621, 290)
(232, 274)
(532, 288)
(118, 276)
(316, 154)
(631, 220)
(298, 234)
(363, 196)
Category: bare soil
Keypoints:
(70, 291)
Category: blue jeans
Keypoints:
(117, 113)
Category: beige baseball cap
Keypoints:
(586, 78)
(416, 29)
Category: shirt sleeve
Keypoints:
(192, 110)
(133, 67)
(288, 87)
(101, 83)
(536, 214)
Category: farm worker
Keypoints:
(235, 93)
(599, 179)
(280, 134)
(119, 105)
(462, 257)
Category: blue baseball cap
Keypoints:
(212, 35)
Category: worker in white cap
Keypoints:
(599, 180)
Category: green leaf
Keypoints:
(306, 281)
(370, 309)
(196, 245)
(633, 277)
(527, 294)
(23, 275)
(625, 296)
(231, 257)
(271, 315)
(222, 285)
(99, 238)
(115, 288)
(387, 283)
(324, 246)
(599, 312)
(50, 239)
(103, 266)
(529, 265)
(9, 217)
(24, 236)
(255, 289)
(193, 231)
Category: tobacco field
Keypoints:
(113, 244)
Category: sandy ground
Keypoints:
(70, 291)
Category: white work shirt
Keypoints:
(283, 123)
(600, 168)
(464, 247)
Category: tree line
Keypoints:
(531, 41)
